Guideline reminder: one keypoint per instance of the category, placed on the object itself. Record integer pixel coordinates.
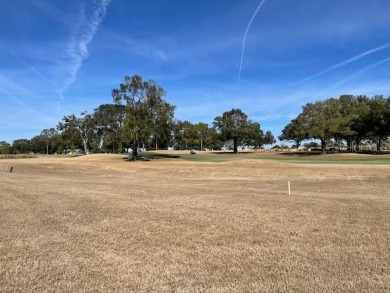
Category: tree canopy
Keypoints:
(349, 118)
(140, 117)
(147, 114)
(234, 125)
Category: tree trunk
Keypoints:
(355, 147)
(235, 146)
(85, 147)
(323, 146)
(349, 145)
(379, 144)
(298, 143)
(134, 153)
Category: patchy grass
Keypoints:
(99, 223)
(296, 158)
(371, 159)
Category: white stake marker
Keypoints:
(289, 187)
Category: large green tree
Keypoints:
(38, 144)
(322, 120)
(185, 136)
(256, 137)
(351, 129)
(161, 117)
(77, 130)
(202, 131)
(5, 148)
(147, 114)
(235, 125)
(21, 146)
(194, 136)
(49, 136)
(269, 138)
(295, 131)
(376, 120)
(108, 122)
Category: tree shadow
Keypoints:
(382, 152)
(152, 156)
(303, 154)
(232, 153)
(317, 153)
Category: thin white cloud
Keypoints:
(244, 40)
(35, 70)
(5, 82)
(85, 28)
(344, 63)
(12, 96)
(128, 44)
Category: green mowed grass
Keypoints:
(296, 158)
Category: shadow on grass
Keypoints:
(232, 153)
(317, 153)
(375, 152)
(152, 156)
(303, 154)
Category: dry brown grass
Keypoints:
(102, 224)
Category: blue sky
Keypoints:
(267, 58)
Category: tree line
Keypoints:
(348, 120)
(140, 117)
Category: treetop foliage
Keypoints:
(141, 118)
(348, 118)
(235, 125)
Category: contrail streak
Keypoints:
(29, 66)
(244, 40)
(345, 62)
(12, 97)
(369, 67)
